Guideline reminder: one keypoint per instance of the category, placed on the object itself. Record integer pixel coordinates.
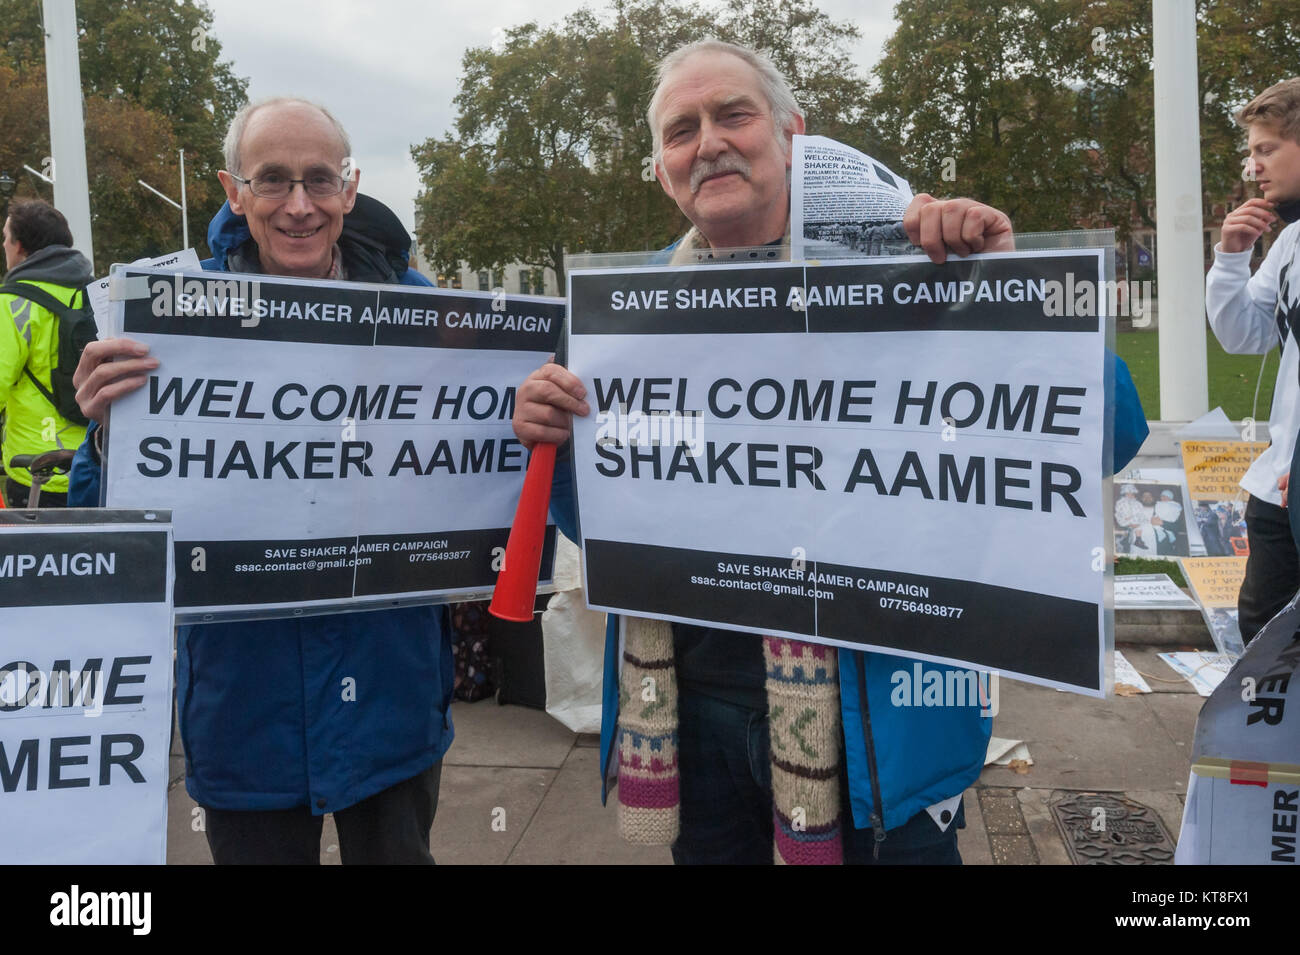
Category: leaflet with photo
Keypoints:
(843, 201)
(1216, 581)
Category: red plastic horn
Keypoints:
(516, 590)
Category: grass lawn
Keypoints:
(1232, 378)
(1143, 565)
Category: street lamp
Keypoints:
(182, 206)
(7, 187)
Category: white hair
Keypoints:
(775, 87)
(237, 126)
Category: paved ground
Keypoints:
(519, 788)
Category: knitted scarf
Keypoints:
(803, 702)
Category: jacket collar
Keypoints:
(374, 246)
(54, 263)
(1289, 211)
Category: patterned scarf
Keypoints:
(803, 700)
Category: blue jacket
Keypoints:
(900, 759)
(261, 707)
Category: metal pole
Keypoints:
(1179, 256)
(185, 207)
(67, 122)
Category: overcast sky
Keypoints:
(388, 69)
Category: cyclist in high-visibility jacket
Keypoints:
(38, 251)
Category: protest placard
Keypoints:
(1215, 468)
(1214, 471)
(85, 686)
(325, 445)
(1150, 592)
(1216, 581)
(885, 454)
(1243, 794)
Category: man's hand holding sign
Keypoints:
(108, 370)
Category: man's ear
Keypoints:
(350, 190)
(663, 180)
(795, 129)
(232, 191)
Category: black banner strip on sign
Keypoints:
(1010, 295)
(451, 560)
(1016, 631)
(1044, 294)
(687, 301)
(47, 570)
(466, 321)
(210, 573)
(675, 581)
(1053, 638)
(242, 307)
(216, 573)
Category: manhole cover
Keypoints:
(1109, 830)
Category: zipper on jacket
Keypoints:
(878, 815)
(611, 754)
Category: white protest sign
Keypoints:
(1150, 592)
(325, 445)
(85, 687)
(886, 454)
(1243, 795)
(1232, 818)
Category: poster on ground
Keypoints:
(1150, 592)
(86, 643)
(1214, 471)
(885, 454)
(1216, 581)
(325, 446)
(1149, 520)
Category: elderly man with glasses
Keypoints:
(271, 741)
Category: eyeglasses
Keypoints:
(276, 186)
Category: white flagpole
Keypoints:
(67, 121)
(1179, 256)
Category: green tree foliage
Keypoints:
(964, 95)
(551, 148)
(153, 83)
(124, 142)
(1045, 107)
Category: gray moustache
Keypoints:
(705, 169)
